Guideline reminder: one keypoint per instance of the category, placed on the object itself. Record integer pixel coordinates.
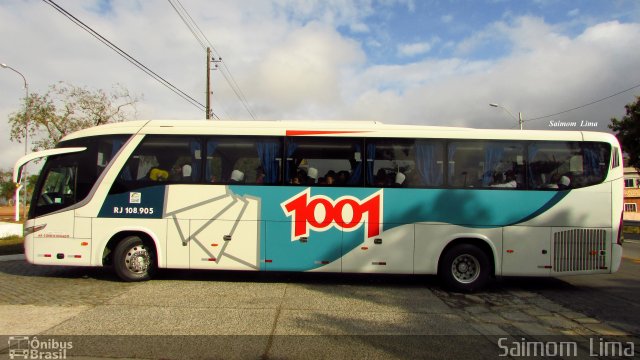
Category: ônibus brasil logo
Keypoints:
(321, 213)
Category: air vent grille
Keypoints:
(579, 250)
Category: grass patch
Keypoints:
(11, 245)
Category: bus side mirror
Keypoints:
(17, 175)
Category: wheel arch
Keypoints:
(147, 238)
(480, 241)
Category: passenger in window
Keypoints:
(564, 183)
(551, 184)
(156, 174)
(506, 180)
(176, 173)
(542, 178)
(399, 180)
(389, 179)
(300, 178)
(380, 178)
(186, 173)
(329, 178)
(237, 177)
(312, 176)
(342, 178)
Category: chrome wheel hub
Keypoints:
(465, 268)
(137, 259)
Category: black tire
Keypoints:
(133, 260)
(464, 268)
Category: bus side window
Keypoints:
(486, 164)
(254, 160)
(321, 161)
(565, 165)
(404, 163)
(465, 163)
(160, 159)
(503, 165)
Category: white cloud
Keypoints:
(359, 28)
(539, 78)
(409, 50)
(304, 69)
(291, 61)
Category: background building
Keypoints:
(631, 194)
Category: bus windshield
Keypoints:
(67, 179)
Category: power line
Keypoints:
(126, 56)
(186, 22)
(585, 105)
(243, 99)
(201, 37)
(193, 22)
(190, 23)
(232, 83)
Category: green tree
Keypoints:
(7, 187)
(628, 132)
(66, 108)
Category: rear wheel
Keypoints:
(133, 260)
(464, 268)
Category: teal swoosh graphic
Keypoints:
(475, 208)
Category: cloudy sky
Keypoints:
(395, 61)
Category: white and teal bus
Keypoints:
(352, 197)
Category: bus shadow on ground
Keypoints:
(299, 277)
(22, 268)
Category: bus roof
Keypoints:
(329, 128)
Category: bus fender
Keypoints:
(120, 233)
(472, 238)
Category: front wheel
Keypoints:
(133, 260)
(464, 268)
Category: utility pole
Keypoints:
(520, 121)
(519, 118)
(26, 145)
(208, 83)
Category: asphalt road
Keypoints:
(631, 248)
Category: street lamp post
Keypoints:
(26, 145)
(519, 118)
